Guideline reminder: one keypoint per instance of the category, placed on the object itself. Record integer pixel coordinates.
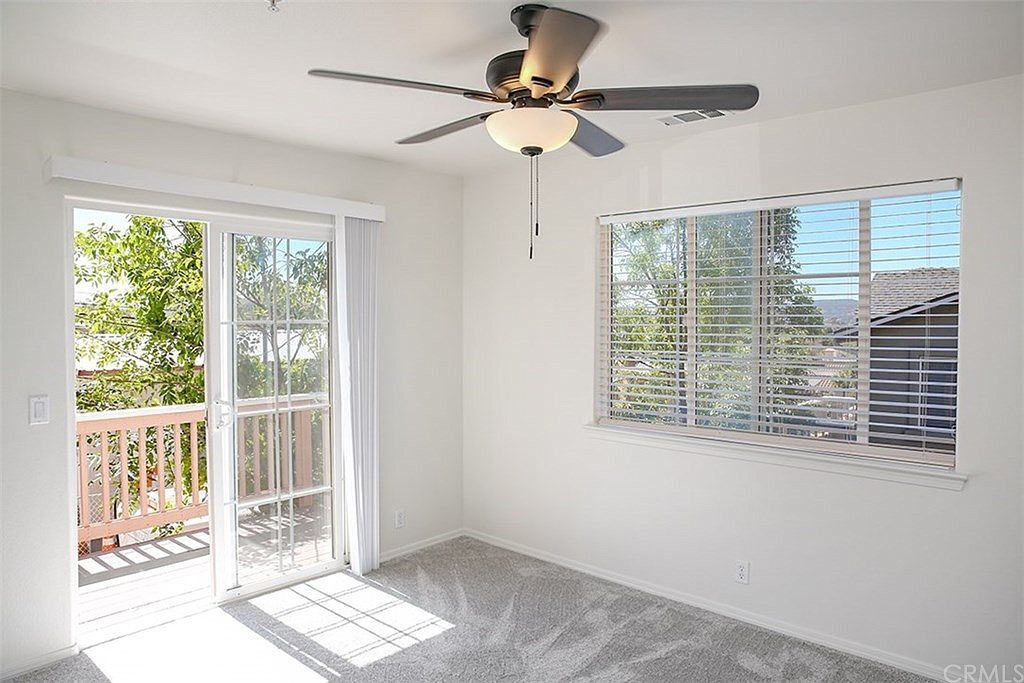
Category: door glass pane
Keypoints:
(257, 460)
(307, 539)
(256, 356)
(282, 404)
(308, 368)
(259, 542)
(254, 276)
(307, 279)
(310, 432)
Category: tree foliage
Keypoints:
(650, 311)
(281, 297)
(143, 327)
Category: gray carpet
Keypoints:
(515, 618)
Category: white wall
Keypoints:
(926, 576)
(420, 329)
(920, 576)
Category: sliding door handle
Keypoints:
(223, 412)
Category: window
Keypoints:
(827, 322)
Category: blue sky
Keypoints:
(906, 232)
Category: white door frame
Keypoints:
(117, 186)
(220, 444)
(91, 198)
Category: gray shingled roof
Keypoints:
(897, 290)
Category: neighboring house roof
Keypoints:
(836, 362)
(898, 290)
(897, 293)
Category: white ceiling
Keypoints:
(235, 66)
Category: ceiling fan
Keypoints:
(540, 85)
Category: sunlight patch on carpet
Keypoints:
(351, 619)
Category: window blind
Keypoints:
(828, 321)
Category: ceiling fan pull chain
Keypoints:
(531, 207)
(536, 183)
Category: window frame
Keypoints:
(859, 450)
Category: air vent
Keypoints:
(691, 116)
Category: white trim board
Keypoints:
(103, 173)
(835, 642)
(40, 661)
(395, 553)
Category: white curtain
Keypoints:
(358, 406)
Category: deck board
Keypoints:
(130, 589)
(132, 559)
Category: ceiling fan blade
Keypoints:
(673, 97)
(398, 82)
(447, 128)
(557, 44)
(594, 140)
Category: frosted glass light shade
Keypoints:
(515, 129)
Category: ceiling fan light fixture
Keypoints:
(531, 127)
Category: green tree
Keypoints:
(143, 327)
(648, 340)
(726, 319)
(649, 312)
(796, 331)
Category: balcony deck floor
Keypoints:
(130, 589)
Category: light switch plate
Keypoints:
(38, 410)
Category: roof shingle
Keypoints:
(897, 290)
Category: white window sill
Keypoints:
(917, 475)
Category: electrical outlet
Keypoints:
(399, 519)
(742, 571)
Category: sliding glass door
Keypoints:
(276, 499)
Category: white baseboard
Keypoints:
(39, 662)
(786, 628)
(413, 547)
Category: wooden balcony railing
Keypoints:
(295, 462)
(126, 456)
(145, 467)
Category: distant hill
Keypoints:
(838, 312)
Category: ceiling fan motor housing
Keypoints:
(503, 77)
(526, 17)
